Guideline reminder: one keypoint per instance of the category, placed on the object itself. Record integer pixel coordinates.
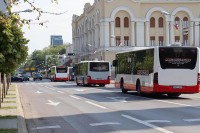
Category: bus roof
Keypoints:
(150, 47)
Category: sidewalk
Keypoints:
(11, 113)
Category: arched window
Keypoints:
(152, 22)
(160, 22)
(117, 22)
(185, 22)
(126, 22)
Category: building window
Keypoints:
(185, 22)
(117, 22)
(160, 22)
(152, 39)
(118, 40)
(126, 40)
(152, 22)
(177, 38)
(126, 22)
(161, 40)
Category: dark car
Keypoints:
(37, 76)
(17, 79)
(25, 77)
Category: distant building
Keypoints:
(56, 40)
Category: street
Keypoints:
(63, 107)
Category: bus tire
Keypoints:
(138, 87)
(122, 86)
(173, 95)
(102, 85)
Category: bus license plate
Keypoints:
(177, 87)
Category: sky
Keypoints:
(38, 35)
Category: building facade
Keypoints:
(109, 26)
(56, 40)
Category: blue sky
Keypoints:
(39, 36)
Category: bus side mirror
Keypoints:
(114, 63)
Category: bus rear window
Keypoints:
(99, 66)
(61, 70)
(177, 57)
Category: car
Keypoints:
(37, 76)
(25, 77)
(17, 79)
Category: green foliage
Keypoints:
(13, 49)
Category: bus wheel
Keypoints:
(138, 88)
(122, 87)
(102, 85)
(174, 95)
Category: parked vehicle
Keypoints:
(37, 76)
(25, 77)
(17, 79)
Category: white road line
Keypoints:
(47, 127)
(192, 120)
(60, 92)
(146, 124)
(180, 104)
(51, 89)
(160, 121)
(104, 123)
(96, 105)
(75, 97)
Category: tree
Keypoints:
(13, 49)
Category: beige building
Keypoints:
(109, 26)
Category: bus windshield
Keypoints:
(61, 70)
(177, 57)
(99, 66)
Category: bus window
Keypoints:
(61, 70)
(177, 57)
(99, 66)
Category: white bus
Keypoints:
(168, 70)
(59, 73)
(92, 73)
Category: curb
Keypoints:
(21, 124)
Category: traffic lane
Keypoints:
(166, 113)
(140, 119)
(47, 119)
(40, 116)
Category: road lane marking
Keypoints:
(180, 104)
(146, 124)
(96, 105)
(53, 103)
(81, 90)
(160, 121)
(38, 92)
(47, 127)
(118, 99)
(75, 97)
(192, 120)
(104, 123)
(51, 89)
(60, 92)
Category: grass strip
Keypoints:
(10, 97)
(10, 94)
(9, 101)
(9, 107)
(8, 117)
(8, 131)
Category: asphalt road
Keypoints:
(63, 107)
